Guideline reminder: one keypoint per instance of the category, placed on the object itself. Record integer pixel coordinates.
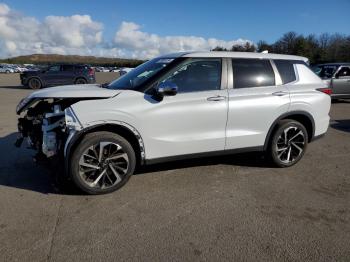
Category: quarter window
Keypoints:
(286, 70)
(196, 75)
(252, 73)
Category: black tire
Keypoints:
(80, 81)
(7, 72)
(81, 177)
(280, 148)
(35, 83)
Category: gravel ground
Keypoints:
(232, 208)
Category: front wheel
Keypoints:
(103, 162)
(34, 83)
(288, 143)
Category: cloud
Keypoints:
(141, 44)
(19, 34)
(81, 35)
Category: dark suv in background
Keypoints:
(58, 75)
(337, 76)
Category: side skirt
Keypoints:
(205, 154)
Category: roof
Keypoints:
(235, 55)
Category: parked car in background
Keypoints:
(19, 68)
(337, 76)
(124, 70)
(6, 69)
(102, 69)
(114, 69)
(55, 75)
(178, 106)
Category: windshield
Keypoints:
(325, 71)
(136, 77)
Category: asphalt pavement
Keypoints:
(232, 208)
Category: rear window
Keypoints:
(252, 73)
(286, 70)
(325, 71)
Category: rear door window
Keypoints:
(55, 68)
(252, 73)
(69, 68)
(286, 70)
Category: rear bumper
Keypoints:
(321, 126)
(317, 137)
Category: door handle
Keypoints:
(280, 93)
(216, 98)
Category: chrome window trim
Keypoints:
(278, 79)
(296, 75)
(223, 74)
(230, 75)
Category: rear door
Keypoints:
(341, 81)
(257, 97)
(68, 74)
(52, 76)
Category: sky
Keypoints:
(144, 29)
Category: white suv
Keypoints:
(178, 106)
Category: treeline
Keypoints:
(319, 49)
(45, 59)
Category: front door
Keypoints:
(194, 120)
(52, 76)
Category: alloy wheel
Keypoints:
(103, 165)
(290, 144)
(35, 83)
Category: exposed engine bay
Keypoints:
(44, 126)
(47, 121)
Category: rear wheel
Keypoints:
(34, 83)
(80, 81)
(103, 162)
(288, 143)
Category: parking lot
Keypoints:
(232, 208)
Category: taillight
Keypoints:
(325, 90)
(91, 72)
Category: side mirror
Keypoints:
(166, 88)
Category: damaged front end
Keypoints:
(46, 125)
(47, 121)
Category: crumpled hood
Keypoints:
(75, 91)
(69, 91)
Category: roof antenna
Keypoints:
(265, 52)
